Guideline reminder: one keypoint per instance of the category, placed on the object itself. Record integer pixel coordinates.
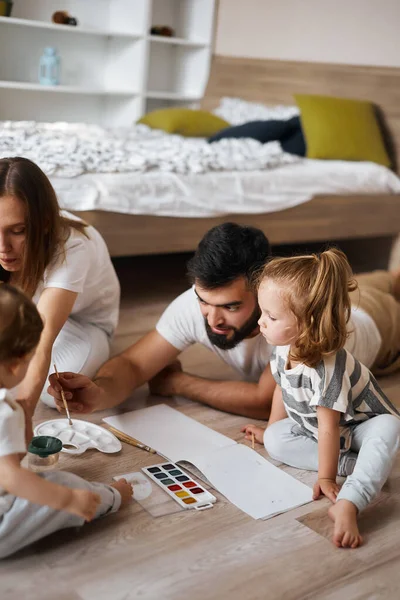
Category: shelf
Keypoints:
(172, 96)
(68, 28)
(112, 68)
(177, 41)
(64, 89)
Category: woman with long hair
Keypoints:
(64, 266)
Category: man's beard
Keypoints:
(223, 342)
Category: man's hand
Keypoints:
(326, 487)
(81, 393)
(163, 384)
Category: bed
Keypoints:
(325, 216)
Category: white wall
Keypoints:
(360, 32)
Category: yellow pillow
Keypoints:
(341, 129)
(184, 121)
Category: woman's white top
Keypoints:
(84, 266)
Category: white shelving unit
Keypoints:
(112, 69)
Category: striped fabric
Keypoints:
(339, 382)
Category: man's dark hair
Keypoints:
(226, 252)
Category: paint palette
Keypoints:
(80, 436)
(183, 489)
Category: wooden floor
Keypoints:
(215, 554)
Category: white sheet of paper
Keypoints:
(170, 432)
(244, 477)
(252, 483)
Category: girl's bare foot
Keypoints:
(346, 534)
(125, 489)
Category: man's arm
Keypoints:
(239, 397)
(117, 378)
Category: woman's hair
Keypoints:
(316, 288)
(46, 229)
(20, 324)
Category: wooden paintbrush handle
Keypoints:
(130, 440)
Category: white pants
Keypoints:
(25, 522)
(375, 441)
(80, 348)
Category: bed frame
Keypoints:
(325, 217)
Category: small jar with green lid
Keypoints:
(43, 453)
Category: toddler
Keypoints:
(32, 505)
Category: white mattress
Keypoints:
(221, 193)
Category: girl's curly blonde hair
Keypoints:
(316, 288)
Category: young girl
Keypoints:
(65, 267)
(324, 395)
(32, 506)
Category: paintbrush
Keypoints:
(252, 440)
(130, 440)
(63, 397)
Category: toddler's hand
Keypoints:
(326, 487)
(125, 489)
(257, 431)
(84, 504)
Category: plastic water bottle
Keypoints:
(49, 67)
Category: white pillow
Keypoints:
(237, 111)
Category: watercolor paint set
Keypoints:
(179, 486)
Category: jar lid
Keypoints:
(44, 445)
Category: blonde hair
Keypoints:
(20, 324)
(316, 288)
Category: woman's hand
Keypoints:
(326, 487)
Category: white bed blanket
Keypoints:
(215, 194)
(71, 149)
(137, 170)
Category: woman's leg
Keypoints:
(376, 441)
(80, 348)
(285, 443)
(26, 523)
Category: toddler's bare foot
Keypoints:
(125, 489)
(346, 534)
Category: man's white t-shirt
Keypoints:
(85, 267)
(12, 437)
(364, 339)
(182, 325)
